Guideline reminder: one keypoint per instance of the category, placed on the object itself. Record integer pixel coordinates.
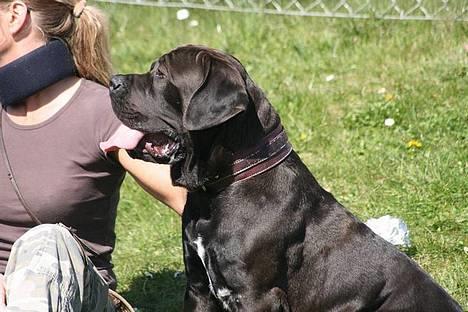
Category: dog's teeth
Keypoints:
(158, 150)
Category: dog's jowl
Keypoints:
(259, 232)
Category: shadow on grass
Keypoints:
(158, 291)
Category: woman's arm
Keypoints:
(2, 293)
(155, 179)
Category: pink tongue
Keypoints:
(124, 137)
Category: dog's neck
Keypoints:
(238, 150)
(270, 151)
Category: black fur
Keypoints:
(275, 242)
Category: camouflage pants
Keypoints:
(47, 271)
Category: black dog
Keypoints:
(259, 232)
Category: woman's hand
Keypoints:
(2, 293)
(155, 179)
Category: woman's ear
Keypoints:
(18, 17)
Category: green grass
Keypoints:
(336, 126)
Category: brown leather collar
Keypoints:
(271, 151)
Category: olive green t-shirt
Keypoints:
(63, 175)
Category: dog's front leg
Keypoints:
(198, 300)
(198, 295)
(275, 300)
(279, 300)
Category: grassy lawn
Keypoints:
(334, 82)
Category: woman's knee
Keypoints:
(45, 248)
(43, 235)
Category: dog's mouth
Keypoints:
(161, 147)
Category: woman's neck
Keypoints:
(19, 49)
(45, 103)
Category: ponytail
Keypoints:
(89, 46)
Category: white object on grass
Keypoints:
(193, 23)
(330, 78)
(381, 91)
(178, 274)
(389, 122)
(183, 14)
(393, 230)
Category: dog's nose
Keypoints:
(117, 83)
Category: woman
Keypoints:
(52, 138)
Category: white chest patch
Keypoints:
(202, 254)
(222, 294)
(200, 249)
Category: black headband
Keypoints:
(35, 71)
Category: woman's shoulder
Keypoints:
(96, 108)
(93, 97)
(94, 90)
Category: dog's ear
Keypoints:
(221, 95)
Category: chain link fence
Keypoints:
(385, 9)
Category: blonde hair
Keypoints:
(86, 34)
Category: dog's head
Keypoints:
(193, 109)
